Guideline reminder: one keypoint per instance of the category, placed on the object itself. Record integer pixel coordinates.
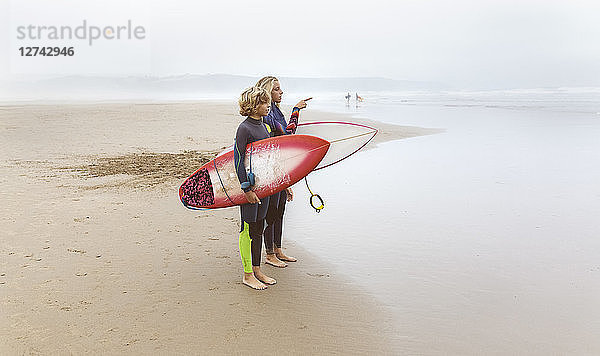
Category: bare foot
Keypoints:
(263, 277)
(274, 261)
(279, 253)
(252, 282)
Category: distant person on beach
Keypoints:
(254, 104)
(348, 96)
(276, 121)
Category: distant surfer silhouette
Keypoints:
(359, 99)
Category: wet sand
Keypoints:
(99, 255)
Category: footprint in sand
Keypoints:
(131, 342)
(318, 275)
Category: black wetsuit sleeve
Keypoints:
(239, 153)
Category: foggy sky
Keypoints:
(483, 44)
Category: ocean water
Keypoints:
(481, 239)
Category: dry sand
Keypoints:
(97, 255)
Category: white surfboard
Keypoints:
(345, 138)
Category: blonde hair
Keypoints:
(251, 98)
(267, 83)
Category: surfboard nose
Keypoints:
(345, 138)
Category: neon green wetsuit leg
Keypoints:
(245, 248)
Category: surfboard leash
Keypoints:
(312, 196)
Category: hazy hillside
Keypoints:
(85, 87)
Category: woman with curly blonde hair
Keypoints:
(254, 104)
(276, 121)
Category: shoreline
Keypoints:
(98, 264)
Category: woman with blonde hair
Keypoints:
(254, 104)
(276, 121)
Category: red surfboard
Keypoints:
(277, 163)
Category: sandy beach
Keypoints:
(99, 255)
(467, 226)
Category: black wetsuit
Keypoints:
(251, 130)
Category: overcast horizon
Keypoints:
(466, 44)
